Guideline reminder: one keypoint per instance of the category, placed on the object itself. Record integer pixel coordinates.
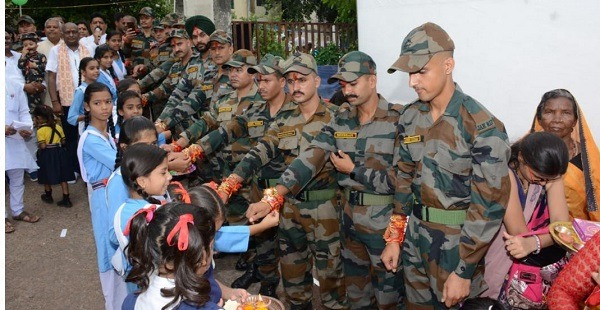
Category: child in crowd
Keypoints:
(129, 104)
(145, 172)
(55, 165)
(114, 40)
(97, 152)
(20, 159)
(170, 249)
(33, 66)
(88, 74)
(129, 84)
(104, 56)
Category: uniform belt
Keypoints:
(439, 216)
(53, 145)
(316, 195)
(265, 183)
(365, 199)
(100, 184)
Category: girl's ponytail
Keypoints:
(139, 252)
(140, 160)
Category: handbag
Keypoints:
(528, 284)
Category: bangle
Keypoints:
(194, 152)
(395, 231)
(538, 243)
(228, 187)
(272, 198)
(176, 147)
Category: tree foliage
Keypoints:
(346, 10)
(74, 11)
(301, 10)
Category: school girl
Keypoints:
(53, 158)
(170, 249)
(88, 74)
(97, 152)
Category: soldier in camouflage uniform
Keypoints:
(164, 59)
(360, 142)
(221, 46)
(138, 48)
(453, 178)
(309, 229)
(252, 125)
(191, 95)
(157, 97)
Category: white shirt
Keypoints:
(152, 298)
(12, 69)
(90, 44)
(74, 60)
(16, 109)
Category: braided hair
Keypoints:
(131, 133)
(140, 160)
(101, 50)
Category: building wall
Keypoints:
(508, 53)
(240, 9)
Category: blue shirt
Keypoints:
(76, 108)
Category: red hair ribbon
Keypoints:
(149, 210)
(180, 190)
(182, 228)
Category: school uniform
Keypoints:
(97, 155)
(76, 108)
(54, 160)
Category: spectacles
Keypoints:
(538, 180)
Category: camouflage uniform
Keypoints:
(157, 75)
(139, 48)
(453, 181)
(33, 66)
(158, 96)
(221, 85)
(309, 228)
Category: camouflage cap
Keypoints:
(269, 64)
(300, 62)
(220, 36)
(241, 57)
(30, 36)
(352, 66)
(178, 19)
(178, 33)
(420, 45)
(165, 21)
(159, 25)
(25, 18)
(147, 11)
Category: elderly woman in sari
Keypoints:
(558, 113)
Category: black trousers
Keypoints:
(72, 138)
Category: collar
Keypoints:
(453, 108)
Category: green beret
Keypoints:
(202, 22)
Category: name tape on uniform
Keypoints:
(225, 109)
(285, 134)
(255, 123)
(412, 139)
(192, 69)
(345, 135)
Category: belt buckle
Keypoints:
(354, 197)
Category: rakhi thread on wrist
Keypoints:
(176, 147)
(272, 198)
(194, 152)
(395, 231)
(228, 187)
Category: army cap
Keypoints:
(268, 64)
(352, 66)
(147, 11)
(30, 36)
(241, 57)
(420, 45)
(178, 33)
(27, 19)
(159, 25)
(165, 21)
(220, 36)
(178, 19)
(300, 62)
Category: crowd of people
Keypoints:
(190, 149)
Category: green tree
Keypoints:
(74, 11)
(301, 10)
(346, 10)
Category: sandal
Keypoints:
(8, 226)
(26, 217)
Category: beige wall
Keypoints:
(240, 9)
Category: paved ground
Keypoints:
(46, 271)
